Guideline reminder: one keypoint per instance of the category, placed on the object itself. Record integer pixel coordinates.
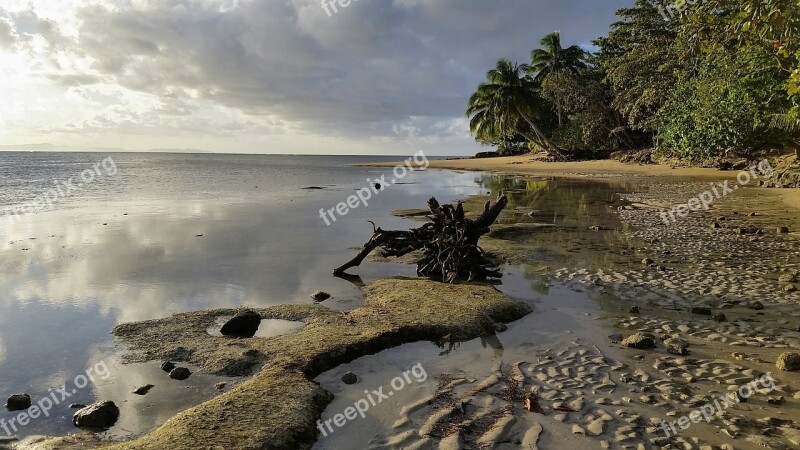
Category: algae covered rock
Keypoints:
(640, 340)
(788, 361)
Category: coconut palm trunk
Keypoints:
(548, 144)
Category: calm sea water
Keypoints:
(124, 246)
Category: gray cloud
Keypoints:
(371, 68)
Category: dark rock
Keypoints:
(677, 346)
(320, 296)
(18, 402)
(777, 401)
(244, 324)
(716, 225)
(167, 366)
(719, 317)
(639, 340)
(615, 338)
(790, 288)
(500, 327)
(97, 415)
(143, 390)
(349, 378)
(377, 186)
(648, 262)
(756, 305)
(788, 361)
(634, 310)
(783, 230)
(180, 373)
(221, 385)
(702, 310)
(76, 406)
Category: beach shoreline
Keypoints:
(679, 277)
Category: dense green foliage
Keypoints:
(718, 77)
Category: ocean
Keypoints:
(141, 236)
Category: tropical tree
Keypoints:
(551, 65)
(508, 104)
(639, 65)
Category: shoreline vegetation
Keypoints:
(719, 80)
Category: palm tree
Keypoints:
(556, 62)
(505, 103)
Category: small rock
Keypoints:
(783, 230)
(777, 401)
(788, 278)
(756, 305)
(97, 415)
(349, 378)
(719, 317)
(648, 262)
(180, 373)
(615, 338)
(702, 310)
(790, 288)
(143, 390)
(677, 346)
(18, 402)
(788, 361)
(167, 366)
(634, 310)
(716, 225)
(244, 324)
(640, 340)
(320, 296)
(221, 385)
(76, 406)
(499, 327)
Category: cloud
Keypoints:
(7, 36)
(366, 71)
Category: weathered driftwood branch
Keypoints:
(449, 242)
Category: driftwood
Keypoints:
(449, 242)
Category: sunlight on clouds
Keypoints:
(274, 76)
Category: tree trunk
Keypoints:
(549, 145)
(449, 244)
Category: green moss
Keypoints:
(416, 214)
(278, 407)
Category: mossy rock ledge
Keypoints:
(277, 408)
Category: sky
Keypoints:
(265, 76)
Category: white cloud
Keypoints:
(199, 73)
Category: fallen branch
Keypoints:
(449, 242)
